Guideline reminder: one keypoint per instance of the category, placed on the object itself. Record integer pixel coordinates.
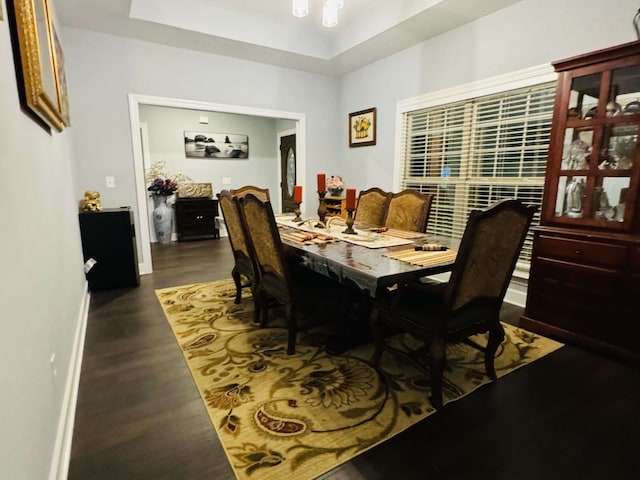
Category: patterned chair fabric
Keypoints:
(469, 303)
(268, 252)
(372, 206)
(409, 210)
(239, 241)
(261, 193)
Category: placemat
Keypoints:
(423, 258)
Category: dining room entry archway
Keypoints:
(135, 100)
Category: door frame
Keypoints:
(135, 100)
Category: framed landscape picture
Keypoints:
(362, 128)
(216, 145)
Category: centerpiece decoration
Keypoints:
(163, 185)
(335, 186)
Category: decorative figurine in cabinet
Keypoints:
(586, 249)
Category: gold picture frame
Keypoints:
(37, 58)
(362, 128)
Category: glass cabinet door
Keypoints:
(598, 168)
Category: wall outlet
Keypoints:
(111, 182)
(204, 120)
(226, 180)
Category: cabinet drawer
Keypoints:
(634, 259)
(582, 252)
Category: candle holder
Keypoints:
(349, 221)
(322, 208)
(297, 212)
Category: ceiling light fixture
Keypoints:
(300, 8)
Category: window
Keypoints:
(473, 152)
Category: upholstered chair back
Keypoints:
(409, 210)
(372, 206)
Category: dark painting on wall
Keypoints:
(216, 145)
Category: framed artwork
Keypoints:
(37, 59)
(362, 128)
(216, 145)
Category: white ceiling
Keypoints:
(265, 30)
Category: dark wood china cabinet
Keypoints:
(584, 285)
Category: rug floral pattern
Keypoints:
(298, 416)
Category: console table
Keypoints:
(196, 218)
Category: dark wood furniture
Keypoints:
(585, 267)
(108, 237)
(336, 206)
(468, 304)
(364, 270)
(196, 218)
(245, 265)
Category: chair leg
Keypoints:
(378, 336)
(292, 328)
(496, 336)
(238, 281)
(257, 309)
(436, 351)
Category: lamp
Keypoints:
(300, 8)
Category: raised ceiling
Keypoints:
(265, 30)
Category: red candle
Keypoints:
(351, 198)
(297, 193)
(322, 182)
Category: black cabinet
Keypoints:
(196, 218)
(108, 237)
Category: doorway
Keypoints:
(135, 100)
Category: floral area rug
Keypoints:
(299, 416)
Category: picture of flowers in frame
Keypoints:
(37, 58)
(362, 128)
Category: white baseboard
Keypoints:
(59, 468)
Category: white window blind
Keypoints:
(472, 153)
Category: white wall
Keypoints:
(42, 285)
(166, 127)
(102, 70)
(527, 34)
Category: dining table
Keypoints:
(371, 259)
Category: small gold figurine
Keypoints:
(91, 202)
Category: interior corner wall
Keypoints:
(102, 70)
(43, 284)
(527, 34)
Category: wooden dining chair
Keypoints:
(245, 266)
(468, 304)
(281, 282)
(408, 210)
(261, 193)
(372, 206)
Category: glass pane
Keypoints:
(625, 90)
(609, 198)
(619, 149)
(583, 99)
(570, 196)
(291, 171)
(577, 149)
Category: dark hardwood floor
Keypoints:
(571, 415)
